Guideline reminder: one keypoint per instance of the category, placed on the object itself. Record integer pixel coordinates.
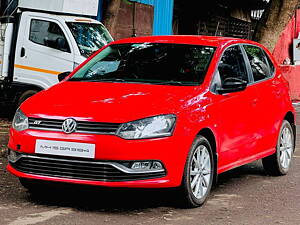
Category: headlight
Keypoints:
(152, 127)
(13, 156)
(20, 121)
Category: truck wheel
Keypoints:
(198, 174)
(25, 95)
(280, 162)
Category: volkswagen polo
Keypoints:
(158, 112)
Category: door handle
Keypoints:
(277, 93)
(275, 82)
(22, 52)
(254, 101)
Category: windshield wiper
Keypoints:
(107, 80)
(173, 82)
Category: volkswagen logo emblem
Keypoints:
(69, 126)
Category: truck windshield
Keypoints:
(155, 63)
(90, 37)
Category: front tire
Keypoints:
(198, 174)
(280, 162)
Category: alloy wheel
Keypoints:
(200, 172)
(286, 148)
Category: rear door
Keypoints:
(268, 106)
(43, 50)
(234, 121)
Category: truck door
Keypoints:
(43, 51)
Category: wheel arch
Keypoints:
(18, 89)
(290, 117)
(210, 136)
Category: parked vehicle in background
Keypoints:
(158, 112)
(39, 41)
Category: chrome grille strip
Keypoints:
(82, 126)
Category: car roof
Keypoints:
(185, 39)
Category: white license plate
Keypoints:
(64, 148)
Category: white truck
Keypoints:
(41, 39)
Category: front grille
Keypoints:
(82, 126)
(78, 169)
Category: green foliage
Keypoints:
(127, 2)
(254, 52)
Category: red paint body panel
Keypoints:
(245, 124)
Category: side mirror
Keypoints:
(63, 75)
(232, 84)
(61, 44)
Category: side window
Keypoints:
(258, 62)
(271, 65)
(232, 64)
(48, 34)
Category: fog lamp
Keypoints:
(150, 166)
(157, 165)
(141, 166)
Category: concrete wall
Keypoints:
(292, 75)
(284, 50)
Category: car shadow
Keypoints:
(252, 169)
(85, 198)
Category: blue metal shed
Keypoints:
(163, 15)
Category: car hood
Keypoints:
(108, 102)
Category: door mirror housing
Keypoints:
(232, 84)
(63, 75)
(61, 44)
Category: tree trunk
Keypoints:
(111, 16)
(274, 20)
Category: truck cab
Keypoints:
(36, 46)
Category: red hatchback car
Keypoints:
(158, 112)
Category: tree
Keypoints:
(275, 18)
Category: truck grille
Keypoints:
(82, 127)
(79, 169)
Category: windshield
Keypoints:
(155, 63)
(89, 37)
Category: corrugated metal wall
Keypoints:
(163, 15)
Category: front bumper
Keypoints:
(171, 151)
(153, 183)
(109, 171)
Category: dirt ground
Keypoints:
(4, 127)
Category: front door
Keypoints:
(43, 51)
(234, 117)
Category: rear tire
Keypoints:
(279, 163)
(198, 174)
